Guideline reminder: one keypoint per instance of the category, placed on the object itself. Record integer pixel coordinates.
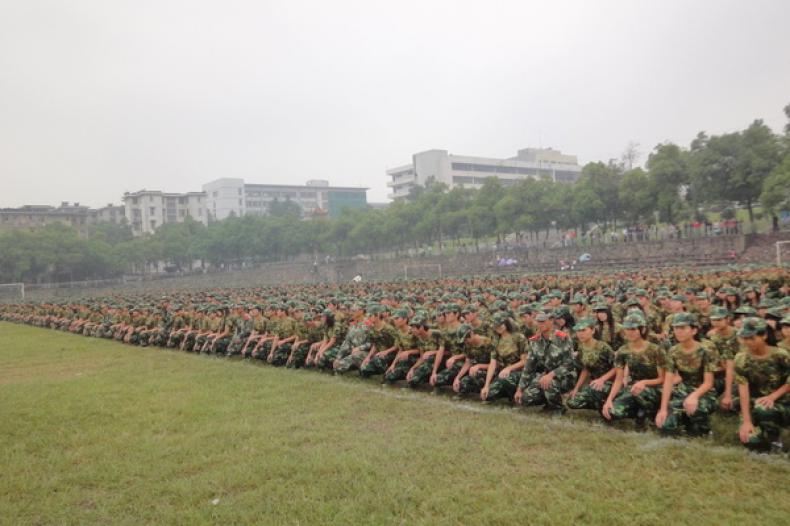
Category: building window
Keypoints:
(239, 191)
(152, 210)
(239, 202)
(153, 224)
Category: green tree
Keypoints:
(775, 196)
(667, 172)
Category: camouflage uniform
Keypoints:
(285, 328)
(477, 354)
(598, 359)
(692, 368)
(423, 373)
(726, 347)
(548, 355)
(383, 338)
(354, 348)
(337, 331)
(764, 376)
(508, 350)
(642, 365)
(404, 341)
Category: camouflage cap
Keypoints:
(584, 323)
(642, 293)
(766, 303)
(578, 299)
(418, 320)
(634, 320)
(785, 321)
(746, 310)
(498, 319)
(374, 309)
(600, 306)
(678, 297)
(544, 316)
(468, 308)
(684, 318)
(462, 333)
(719, 313)
(752, 326)
(525, 309)
(453, 307)
(400, 313)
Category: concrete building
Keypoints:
(31, 217)
(228, 196)
(147, 210)
(108, 214)
(471, 172)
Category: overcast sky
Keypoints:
(101, 97)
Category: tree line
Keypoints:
(677, 184)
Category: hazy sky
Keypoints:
(102, 97)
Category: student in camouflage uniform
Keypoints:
(335, 330)
(476, 350)
(596, 359)
(357, 345)
(646, 363)
(507, 360)
(284, 335)
(725, 341)
(549, 370)
(385, 342)
(689, 403)
(429, 342)
(763, 377)
(406, 344)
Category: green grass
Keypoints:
(98, 432)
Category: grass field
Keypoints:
(97, 432)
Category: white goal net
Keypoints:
(423, 271)
(12, 292)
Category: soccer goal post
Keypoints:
(12, 292)
(426, 270)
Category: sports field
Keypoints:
(94, 431)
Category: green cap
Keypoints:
(684, 318)
(417, 321)
(584, 323)
(719, 313)
(498, 319)
(600, 306)
(633, 321)
(746, 309)
(400, 313)
(463, 332)
(544, 316)
(578, 299)
(785, 321)
(751, 327)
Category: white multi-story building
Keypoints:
(471, 172)
(147, 210)
(228, 196)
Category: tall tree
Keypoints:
(668, 171)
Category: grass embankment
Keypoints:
(98, 432)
